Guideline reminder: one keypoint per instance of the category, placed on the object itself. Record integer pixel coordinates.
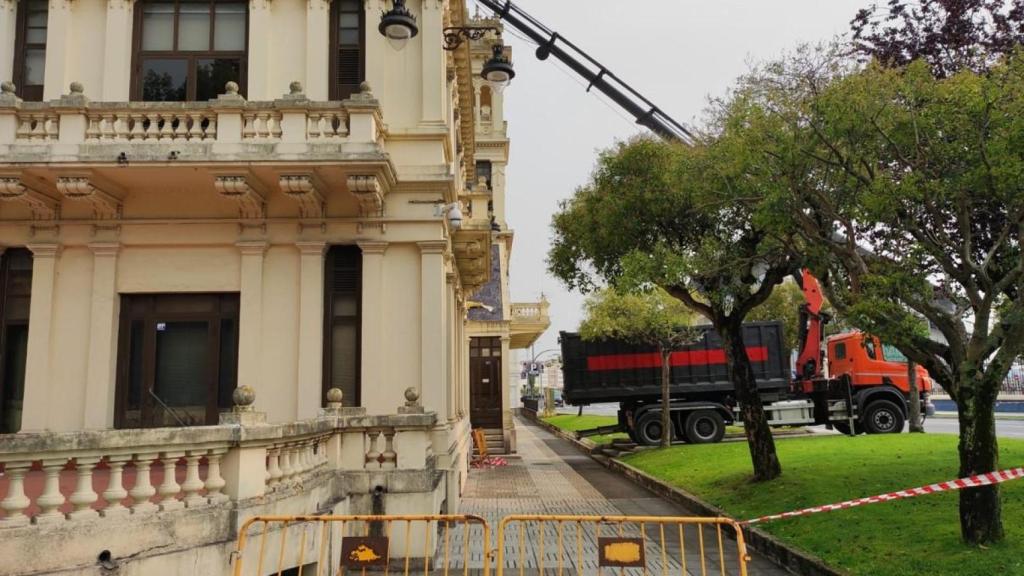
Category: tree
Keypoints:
(651, 318)
(904, 189)
(689, 220)
(950, 35)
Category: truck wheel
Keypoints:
(883, 417)
(648, 430)
(704, 427)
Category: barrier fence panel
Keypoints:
(532, 544)
(360, 544)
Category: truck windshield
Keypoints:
(892, 353)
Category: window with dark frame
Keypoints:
(30, 49)
(188, 51)
(16, 296)
(483, 170)
(177, 359)
(343, 322)
(348, 53)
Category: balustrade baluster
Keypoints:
(313, 122)
(166, 122)
(84, 495)
(214, 481)
(169, 489)
(24, 131)
(115, 491)
(107, 127)
(286, 464)
(248, 130)
(39, 127)
(16, 501)
(193, 484)
(275, 130)
(121, 127)
(143, 489)
(263, 128)
(195, 131)
(389, 459)
(138, 127)
(92, 130)
(52, 499)
(372, 455)
(274, 468)
(181, 130)
(211, 128)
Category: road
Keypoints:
(1005, 428)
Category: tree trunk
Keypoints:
(980, 511)
(666, 398)
(916, 424)
(755, 424)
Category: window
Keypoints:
(177, 359)
(840, 351)
(892, 353)
(483, 170)
(869, 347)
(348, 33)
(343, 322)
(16, 287)
(30, 49)
(188, 50)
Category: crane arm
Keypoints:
(812, 328)
(597, 75)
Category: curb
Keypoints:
(773, 549)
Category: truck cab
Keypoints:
(870, 363)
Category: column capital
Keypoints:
(253, 247)
(372, 246)
(105, 248)
(312, 247)
(44, 249)
(432, 246)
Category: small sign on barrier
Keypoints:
(364, 551)
(620, 552)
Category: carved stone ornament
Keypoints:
(43, 207)
(105, 205)
(250, 198)
(368, 193)
(307, 190)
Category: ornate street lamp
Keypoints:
(398, 25)
(498, 70)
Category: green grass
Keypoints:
(903, 538)
(573, 423)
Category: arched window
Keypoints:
(348, 48)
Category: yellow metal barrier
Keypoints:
(336, 545)
(531, 544)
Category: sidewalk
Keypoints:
(551, 477)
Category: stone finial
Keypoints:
(412, 402)
(243, 397)
(75, 95)
(335, 397)
(365, 93)
(8, 94)
(295, 87)
(230, 93)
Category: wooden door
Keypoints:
(485, 382)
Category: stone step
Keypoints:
(623, 444)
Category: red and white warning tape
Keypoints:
(969, 482)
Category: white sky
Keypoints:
(675, 52)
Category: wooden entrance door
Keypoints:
(485, 382)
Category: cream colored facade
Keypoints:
(246, 196)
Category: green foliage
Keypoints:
(902, 538)
(652, 317)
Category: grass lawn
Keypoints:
(573, 423)
(903, 538)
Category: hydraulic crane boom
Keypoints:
(551, 44)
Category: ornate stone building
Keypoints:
(240, 242)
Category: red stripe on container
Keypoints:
(653, 359)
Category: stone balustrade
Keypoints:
(531, 310)
(66, 477)
(74, 126)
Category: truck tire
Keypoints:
(704, 427)
(882, 417)
(648, 430)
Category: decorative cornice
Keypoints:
(312, 248)
(247, 191)
(308, 191)
(432, 246)
(252, 247)
(105, 249)
(43, 207)
(372, 247)
(105, 204)
(44, 249)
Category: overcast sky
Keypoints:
(675, 52)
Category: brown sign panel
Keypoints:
(620, 552)
(364, 551)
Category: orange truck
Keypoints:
(851, 382)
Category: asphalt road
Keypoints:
(1005, 428)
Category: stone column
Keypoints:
(117, 51)
(434, 74)
(432, 330)
(373, 361)
(451, 346)
(261, 32)
(37, 361)
(100, 373)
(311, 328)
(250, 313)
(8, 18)
(58, 35)
(506, 411)
(317, 82)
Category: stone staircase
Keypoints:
(620, 448)
(495, 441)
